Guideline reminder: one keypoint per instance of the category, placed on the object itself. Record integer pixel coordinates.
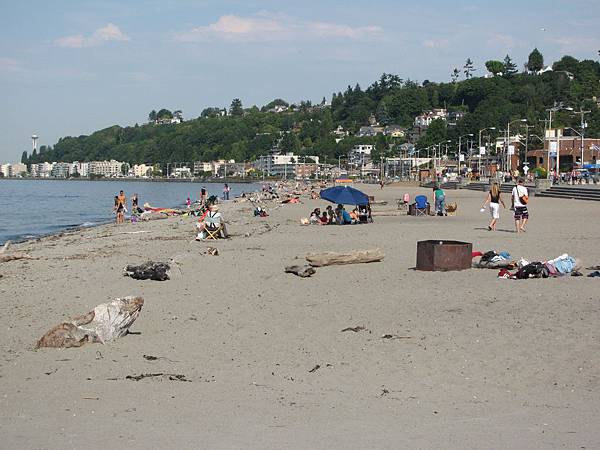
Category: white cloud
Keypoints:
(108, 33)
(9, 65)
(265, 27)
(436, 43)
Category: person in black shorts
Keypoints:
(520, 198)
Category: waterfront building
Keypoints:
(108, 169)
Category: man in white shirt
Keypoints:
(520, 198)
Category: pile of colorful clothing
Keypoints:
(493, 260)
(557, 267)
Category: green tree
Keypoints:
(124, 168)
(494, 67)
(211, 112)
(382, 115)
(164, 114)
(468, 68)
(535, 62)
(455, 75)
(24, 157)
(152, 116)
(236, 108)
(510, 68)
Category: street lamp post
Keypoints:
(459, 147)
(555, 108)
(479, 149)
(508, 164)
(582, 113)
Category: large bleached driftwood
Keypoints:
(106, 322)
(355, 257)
(5, 257)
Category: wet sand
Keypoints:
(476, 362)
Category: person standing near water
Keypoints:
(226, 192)
(494, 199)
(121, 201)
(203, 195)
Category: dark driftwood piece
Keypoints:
(355, 257)
(150, 270)
(106, 322)
(301, 271)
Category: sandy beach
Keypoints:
(475, 362)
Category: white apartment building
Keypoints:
(140, 170)
(425, 119)
(5, 170)
(60, 170)
(41, 170)
(107, 169)
(82, 168)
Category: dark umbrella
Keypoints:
(345, 195)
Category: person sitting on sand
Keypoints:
(330, 214)
(315, 216)
(354, 215)
(324, 218)
(215, 217)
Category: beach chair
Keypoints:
(212, 227)
(364, 214)
(421, 206)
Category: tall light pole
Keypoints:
(479, 149)
(582, 113)
(508, 164)
(557, 107)
(459, 147)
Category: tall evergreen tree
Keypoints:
(535, 62)
(236, 108)
(24, 157)
(454, 76)
(510, 68)
(468, 68)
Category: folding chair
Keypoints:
(421, 206)
(212, 227)
(364, 214)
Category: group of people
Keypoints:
(337, 216)
(519, 201)
(120, 206)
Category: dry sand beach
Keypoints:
(475, 362)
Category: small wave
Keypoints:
(88, 224)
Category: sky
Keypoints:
(70, 67)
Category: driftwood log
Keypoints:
(106, 322)
(302, 271)
(355, 257)
(4, 257)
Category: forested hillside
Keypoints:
(243, 134)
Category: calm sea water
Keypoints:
(30, 208)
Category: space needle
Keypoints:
(34, 139)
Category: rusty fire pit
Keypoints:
(443, 255)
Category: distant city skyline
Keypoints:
(70, 68)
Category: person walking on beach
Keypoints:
(226, 192)
(203, 195)
(520, 198)
(494, 199)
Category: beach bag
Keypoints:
(523, 198)
(532, 270)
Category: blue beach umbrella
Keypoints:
(345, 195)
